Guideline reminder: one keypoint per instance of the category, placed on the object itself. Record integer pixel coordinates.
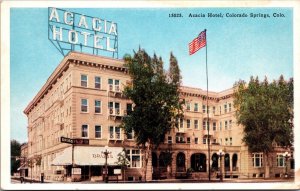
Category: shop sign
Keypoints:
(79, 30)
(74, 141)
(66, 140)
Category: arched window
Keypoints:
(215, 162)
(198, 162)
(234, 162)
(180, 162)
(227, 162)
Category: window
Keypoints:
(114, 85)
(179, 139)
(84, 80)
(84, 131)
(114, 133)
(196, 140)
(214, 126)
(230, 140)
(257, 159)
(230, 124)
(169, 140)
(84, 105)
(214, 110)
(225, 108)
(204, 140)
(97, 82)
(114, 108)
(188, 106)
(128, 108)
(220, 110)
(226, 125)
(134, 158)
(196, 107)
(130, 134)
(111, 132)
(97, 106)
(117, 85)
(188, 123)
(111, 84)
(196, 123)
(117, 108)
(118, 132)
(220, 125)
(207, 109)
(204, 125)
(97, 131)
(203, 108)
(229, 107)
(280, 160)
(226, 141)
(188, 140)
(181, 123)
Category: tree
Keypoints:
(15, 151)
(266, 112)
(155, 94)
(123, 161)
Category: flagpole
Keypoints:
(208, 126)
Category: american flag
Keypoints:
(197, 43)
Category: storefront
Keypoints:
(89, 163)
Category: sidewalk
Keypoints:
(256, 180)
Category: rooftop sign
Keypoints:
(70, 31)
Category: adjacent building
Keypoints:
(82, 99)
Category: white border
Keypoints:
(5, 90)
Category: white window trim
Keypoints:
(87, 131)
(188, 125)
(114, 133)
(114, 108)
(130, 156)
(132, 136)
(188, 108)
(283, 159)
(261, 157)
(100, 107)
(100, 82)
(101, 132)
(87, 105)
(114, 84)
(196, 124)
(195, 107)
(181, 123)
(87, 80)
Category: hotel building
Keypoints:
(82, 99)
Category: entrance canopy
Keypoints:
(87, 155)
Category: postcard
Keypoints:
(149, 95)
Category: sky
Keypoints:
(237, 48)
